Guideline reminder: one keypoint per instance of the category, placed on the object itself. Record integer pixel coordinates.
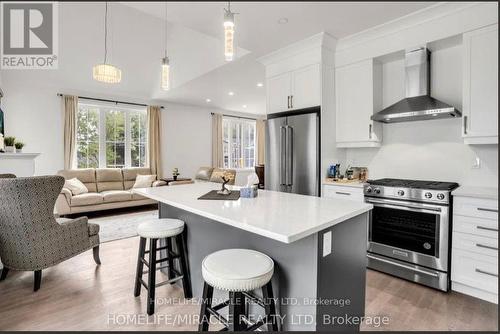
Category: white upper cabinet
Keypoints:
(293, 90)
(358, 96)
(306, 87)
(480, 86)
(278, 92)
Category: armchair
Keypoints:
(31, 239)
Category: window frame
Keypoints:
(235, 119)
(103, 108)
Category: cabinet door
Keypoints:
(278, 92)
(306, 87)
(354, 95)
(480, 99)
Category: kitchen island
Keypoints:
(318, 246)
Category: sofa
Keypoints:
(108, 188)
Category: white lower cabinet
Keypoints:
(474, 265)
(354, 193)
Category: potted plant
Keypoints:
(9, 144)
(19, 146)
(175, 173)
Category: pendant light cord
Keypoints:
(166, 24)
(106, 33)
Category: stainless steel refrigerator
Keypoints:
(292, 153)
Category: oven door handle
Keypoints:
(402, 206)
(425, 272)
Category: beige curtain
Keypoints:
(261, 141)
(154, 140)
(217, 155)
(70, 109)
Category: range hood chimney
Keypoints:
(418, 104)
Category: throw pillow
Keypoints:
(75, 186)
(144, 181)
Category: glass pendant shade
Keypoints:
(107, 73)
(229, 35)
(165, 74)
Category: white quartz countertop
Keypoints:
(477, 192)
(344, 184)
(280, 216)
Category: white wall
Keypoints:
(33, 114)
(434, 149)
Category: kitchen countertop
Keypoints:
(478, 192)
(280, 216)
(355, 184)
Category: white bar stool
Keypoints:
(238, 271)
(170, 230)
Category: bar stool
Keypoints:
(238, 271)
(169, 230)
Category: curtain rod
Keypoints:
(112, 101)
(224, 115)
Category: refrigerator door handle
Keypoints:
(282, 155)
(289, 155)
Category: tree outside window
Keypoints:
(111, 137)
(238, 143)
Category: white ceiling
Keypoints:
(195, 34)
(258, 30)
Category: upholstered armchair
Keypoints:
(30, 237)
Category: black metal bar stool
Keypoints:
(170, 230)
(238, 271)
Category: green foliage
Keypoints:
(19, 145)
(115, 134)
(9, 141)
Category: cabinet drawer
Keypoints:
(475, 243)
(351, 193)
(477, 226)
(477, 271)
(476, 207)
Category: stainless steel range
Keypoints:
(409, 229)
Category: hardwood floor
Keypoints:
(78, 295)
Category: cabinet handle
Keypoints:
(288, 105)
(342, 193)
(291, 101)
(486, 273)
(486, 246)
(486, 209)
(487, 228)
(465, 125)
(370, 131)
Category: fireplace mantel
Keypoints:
(20, 164)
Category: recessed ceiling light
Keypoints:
(208, 100)
(283, 20)
(260, 84)
(244, 106)
(230, 93)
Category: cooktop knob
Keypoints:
(401, 193)
(428, 195)
(368, 190)
(440, 196)
(377, 190)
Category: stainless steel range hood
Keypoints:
(418, 104)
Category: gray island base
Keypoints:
(313, 292)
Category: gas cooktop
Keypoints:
(415, 184)
(410, 190)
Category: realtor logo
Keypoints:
(29, 35)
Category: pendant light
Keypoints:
(106, 72)
(228, 33)
(165, 66)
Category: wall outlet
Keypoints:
(477, 163)
(327, 243)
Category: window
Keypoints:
(238, 142)
(110, 136)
